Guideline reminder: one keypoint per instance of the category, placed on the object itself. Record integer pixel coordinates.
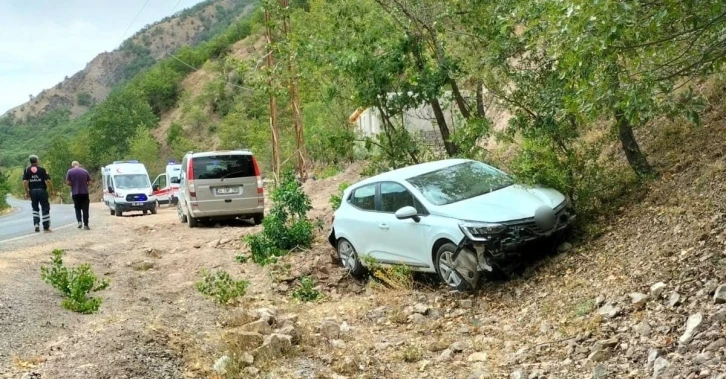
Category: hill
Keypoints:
(91, 85)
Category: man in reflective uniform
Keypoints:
(37, 183)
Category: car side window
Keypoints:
(364, 198)
(395, 196)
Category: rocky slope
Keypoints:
(142, 49)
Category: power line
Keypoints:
(173, 9)
(196, 69)
(132, 22)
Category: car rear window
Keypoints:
(223, 167)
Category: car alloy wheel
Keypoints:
(446, 270)
(349, 257)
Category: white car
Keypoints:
(455, 217)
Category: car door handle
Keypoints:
(383, 226)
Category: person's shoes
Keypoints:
(86, 228)
(37, 228)
(80, 225)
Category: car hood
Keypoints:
(125, 191)
(515, 202)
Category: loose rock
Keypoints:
(477, 357)
(692, 324)
(330, 329)
(609, 311)
(719, 297)
(674, 299)
(638, 299)
(660, 366)
(657, 289)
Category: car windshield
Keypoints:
(131, 181)
(460, 182)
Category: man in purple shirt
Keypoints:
(78, 179)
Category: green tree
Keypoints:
(144, 148)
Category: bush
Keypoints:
(286, 227)
(84, 99)
(74, 283)
(306, 290)
(221, 286)
(337, 198)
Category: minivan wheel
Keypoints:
(445, 268)
(180, 213)
(257, 219)
(349, 258)
(118, 211)
(153, 210)
(112, 211)
(193, 222)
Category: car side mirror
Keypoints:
(110, 189)
(155, 187)
(408, 212)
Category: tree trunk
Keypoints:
(451, 148)
(638, 162)
(480, 111)
(273, 104)
(295, 98)
(460, 102)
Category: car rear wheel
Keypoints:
(446, 270)
(257, 219)
(180, 213)
(193, 222)
(112, 211)
(349, 258)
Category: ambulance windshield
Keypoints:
(131, 181)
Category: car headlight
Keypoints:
(480, 231)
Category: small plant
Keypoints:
(306, 290)
(337, 198)
(585, 308)
(241, 258)
(286, 227)
(411, 354)
(220, 286)
(74, 283)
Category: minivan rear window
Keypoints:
(223, 167)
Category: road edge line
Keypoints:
(35, 234)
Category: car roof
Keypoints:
(411, 171)
(219, 152)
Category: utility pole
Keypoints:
(273, 101)
(294, 96)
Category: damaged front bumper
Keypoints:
(475, 256)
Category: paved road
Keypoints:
(20, 221)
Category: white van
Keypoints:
(166, 185)
(126, 187)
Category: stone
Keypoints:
(642, 328)
(608, 311)
(638, 300)
(267, 315)
(338, 344)
(719, 297)
(605, 344)
(259, 326)
(477, 357)
(674, 299)
(479, 374)
(653, 354)
(657, 289)
(600, 371)
(564, 247)
(599, 355)
(445, 356)
(519, 373)
(330, 329)
(417, 318)
(344, 327)
(252, 371)
(273, 347)
(660, 367)
(716, 345)
(421, 308)
(220, 365)
(466, 303)
(290, 331)
(599, 300)
(244, 339)
(718, 316)
(424, 365)
(197, 245)
(702, 358)
(457, 347)
(247, 358)
(347, 366)
(213, 244)
(692, 324)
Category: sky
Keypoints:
(42, 41)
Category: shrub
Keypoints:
(84, 99)
(220, 286)
(337, 198)
(74, 283)
(286, 227)
(306, 290)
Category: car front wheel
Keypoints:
(349, 258)
(445, 267)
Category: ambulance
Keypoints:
(127, 188)
(166, 185)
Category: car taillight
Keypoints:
(260, 185)
(190, 176)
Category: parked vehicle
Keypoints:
(126, 188)
(217, 185)
(455, 217)
(166, 185)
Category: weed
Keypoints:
(328, 172)
(306, 290)
(411, 354)
(286, 227)
(337, 198)
(241, 258)
(398, 316)
(221, 286)
(74, 283)
(584, 308)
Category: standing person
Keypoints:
(78, 179)
(37, 183)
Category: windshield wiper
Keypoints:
(232, 173)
